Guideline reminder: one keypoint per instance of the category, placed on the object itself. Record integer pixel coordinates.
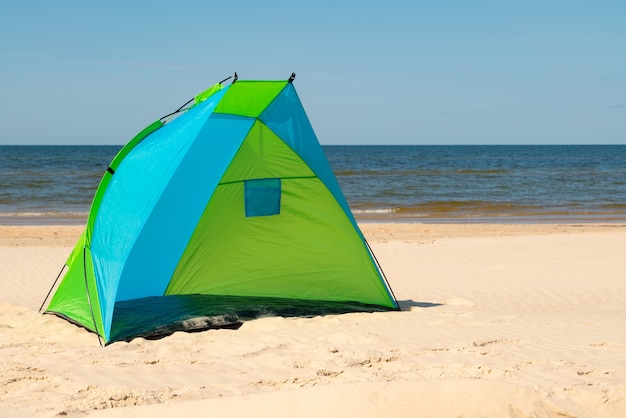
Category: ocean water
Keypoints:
(520, 184)
(50, 184)
(572, 183)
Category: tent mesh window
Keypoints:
(262, 197)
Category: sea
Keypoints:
(438, 184)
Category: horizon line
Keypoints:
(347, 145)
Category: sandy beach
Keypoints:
(497, 320)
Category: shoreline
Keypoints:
(67, 235)
(377, 216)
(613, 218)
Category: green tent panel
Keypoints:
(279, 255)
(76, 298)
(245, 218)
(249, 98)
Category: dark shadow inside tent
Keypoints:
(160, 316)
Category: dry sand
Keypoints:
(497, 320)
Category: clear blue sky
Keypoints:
(385, 72)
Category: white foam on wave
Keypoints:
(43, 214)
(374, 211)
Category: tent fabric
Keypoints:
(232, 200)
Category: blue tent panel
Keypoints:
(179, 208)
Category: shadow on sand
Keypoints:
(406, 305)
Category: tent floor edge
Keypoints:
(155, 317)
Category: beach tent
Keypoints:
(225, 210)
